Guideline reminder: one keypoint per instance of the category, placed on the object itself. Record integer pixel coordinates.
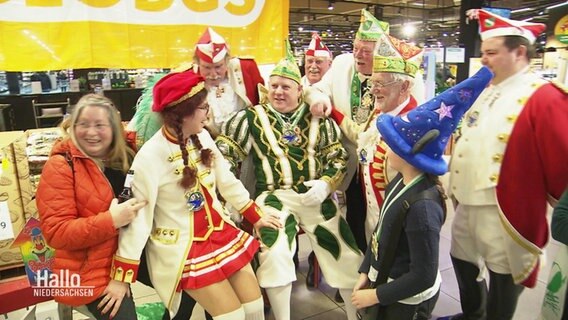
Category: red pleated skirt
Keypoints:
(225, 252)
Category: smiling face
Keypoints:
(363, 54)
(213, 73)
(389, 92)
(316, 67)
(284, 94)
(93, 131)
(196, 121)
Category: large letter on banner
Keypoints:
(201, 6)
(100, 3)
(44, 3)
(153, 5)
(56, 34)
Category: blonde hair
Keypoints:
(120, 155)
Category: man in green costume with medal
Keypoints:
(299, 161)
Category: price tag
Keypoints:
(6, 231)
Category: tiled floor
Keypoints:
(319, 303)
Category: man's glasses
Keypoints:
(377, 84)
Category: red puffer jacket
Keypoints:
(75, 220)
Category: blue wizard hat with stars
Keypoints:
(421, 135)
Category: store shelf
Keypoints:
(49, 110)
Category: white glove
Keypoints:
(318, 192)
(234, 213)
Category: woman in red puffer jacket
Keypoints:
(79, 213)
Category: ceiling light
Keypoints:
(408, 30)
(557, 5)
(330, 5)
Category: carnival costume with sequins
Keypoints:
(287, 152)
(191, 241)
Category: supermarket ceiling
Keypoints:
(435, 22)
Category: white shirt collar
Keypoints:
(512, 78)
(398, 109)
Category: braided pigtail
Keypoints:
(205, 154)
(189, 174)
(173, 117)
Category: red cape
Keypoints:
(535, 165)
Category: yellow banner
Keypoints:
(40, 35)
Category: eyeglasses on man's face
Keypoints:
(378, 84)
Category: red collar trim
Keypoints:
(170, 136)
(411, 105)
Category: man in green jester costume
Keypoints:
(298, 161)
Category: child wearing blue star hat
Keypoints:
(400, 268)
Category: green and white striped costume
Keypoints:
(281, 168)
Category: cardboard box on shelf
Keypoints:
(14, 178)
(39, 143)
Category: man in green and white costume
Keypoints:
(298, 161)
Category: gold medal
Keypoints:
(375, 245)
